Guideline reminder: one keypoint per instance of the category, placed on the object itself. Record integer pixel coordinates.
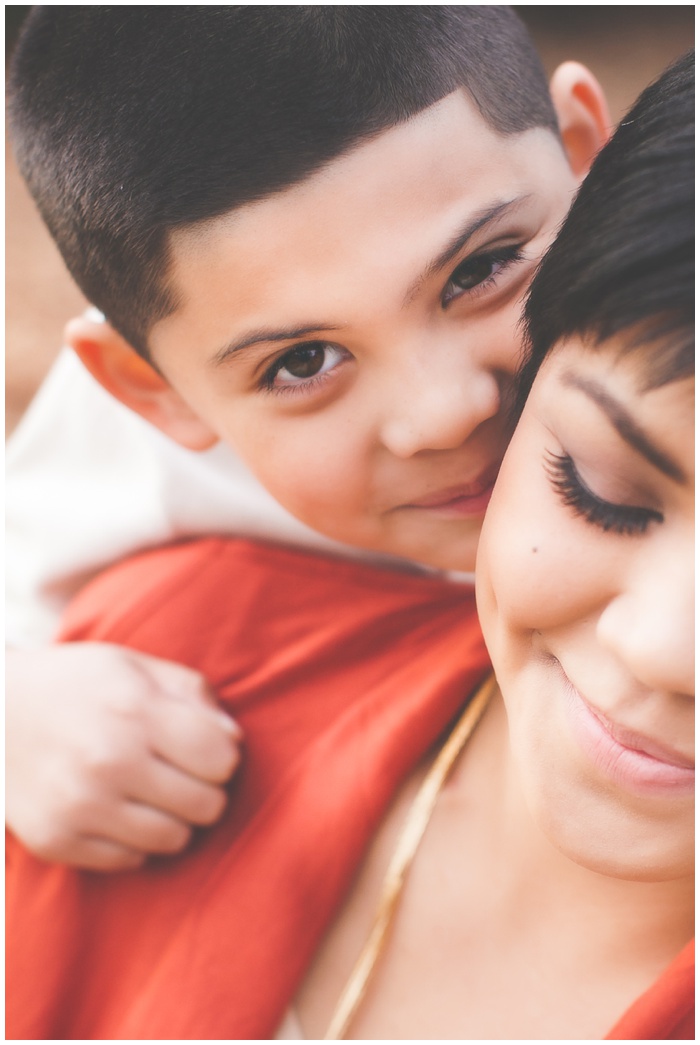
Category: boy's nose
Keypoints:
(650, 627)
(429, 414)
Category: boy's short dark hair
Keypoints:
(130, 122)
(624, 260)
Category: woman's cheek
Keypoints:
(530, 551)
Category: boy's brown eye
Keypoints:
(302, 367)
(473, 272)
(304, 361)
(480, 271)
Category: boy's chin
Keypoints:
(451, 553)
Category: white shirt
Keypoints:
(89, 482)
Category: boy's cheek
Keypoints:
(309, 476)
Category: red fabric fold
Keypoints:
(666, 1012)
(343, 677)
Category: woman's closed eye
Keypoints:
(622, 519)
(479, 272)
(303, 367)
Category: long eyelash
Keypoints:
(504, 255)
(508, 255)
(622, 519)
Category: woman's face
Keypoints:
(585, 589)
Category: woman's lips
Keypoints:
(465, 499)
(644, 745)
(635, 762)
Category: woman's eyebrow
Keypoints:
(255, 337)
(475, 224)
(621, 419)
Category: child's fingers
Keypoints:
(142, 828)
(100, 854)
(175, 680)
(198, 739)
(167, 788)
(189, 728)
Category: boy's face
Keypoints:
(354, 336)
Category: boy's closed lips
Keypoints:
(469, 499)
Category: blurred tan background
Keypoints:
(625, 46)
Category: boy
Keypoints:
(310, 230)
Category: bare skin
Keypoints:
(563, 964)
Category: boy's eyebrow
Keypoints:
(625, 425)
(263, 335)
(462, 237)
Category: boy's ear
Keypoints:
(134, 382)
(584, 118)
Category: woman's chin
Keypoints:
(618, 845)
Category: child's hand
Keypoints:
(111, 754)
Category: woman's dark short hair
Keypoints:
(129, 122)
(624, 260)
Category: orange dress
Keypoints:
(343, 676)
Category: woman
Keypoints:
(568, 887)
(533, 878)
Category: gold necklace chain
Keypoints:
(406, 848)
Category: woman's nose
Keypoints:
(650, 625)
